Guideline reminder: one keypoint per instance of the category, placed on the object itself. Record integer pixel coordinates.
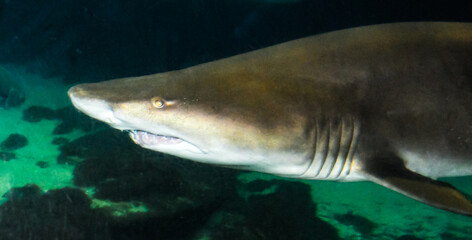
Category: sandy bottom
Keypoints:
(50, 93)
(394, 214)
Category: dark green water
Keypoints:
(66, 176)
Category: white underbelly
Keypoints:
(436, 165)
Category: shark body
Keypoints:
(387, 103)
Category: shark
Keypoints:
(388, 103)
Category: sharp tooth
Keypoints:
(146, 136)
(134, 136)
(143, 137)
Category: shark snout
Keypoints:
(76, 95)
(74, 91)
(81, 100)
(93, 107)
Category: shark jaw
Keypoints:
(162, 143)
(144, 138)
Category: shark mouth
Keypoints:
(144, 138)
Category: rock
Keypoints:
(409, 237)
(11, 94)
(287, 213)
(14, 142)
(23, 197)
(42, 164)
(14, 98)
(182, 225)
(38, 113)
(361, 224)
(58, 214)
(69, 119)
(7, 156)
(292, 214)
(448, 236)
(104, 144)
(20, 193)
(140, 184)
(230, 225)
(122, 171)
(60, 141)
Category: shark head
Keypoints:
(214, 119)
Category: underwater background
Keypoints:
(66, 176)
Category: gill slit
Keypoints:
(345, 154)
(340, 155)
(353, 145)
(334, 147)
(315, 149)
(334, 142)
(320, 150)
(325, 149)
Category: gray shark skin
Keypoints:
(390, 103)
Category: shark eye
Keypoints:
(158, 102)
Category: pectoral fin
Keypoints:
(391, 173)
